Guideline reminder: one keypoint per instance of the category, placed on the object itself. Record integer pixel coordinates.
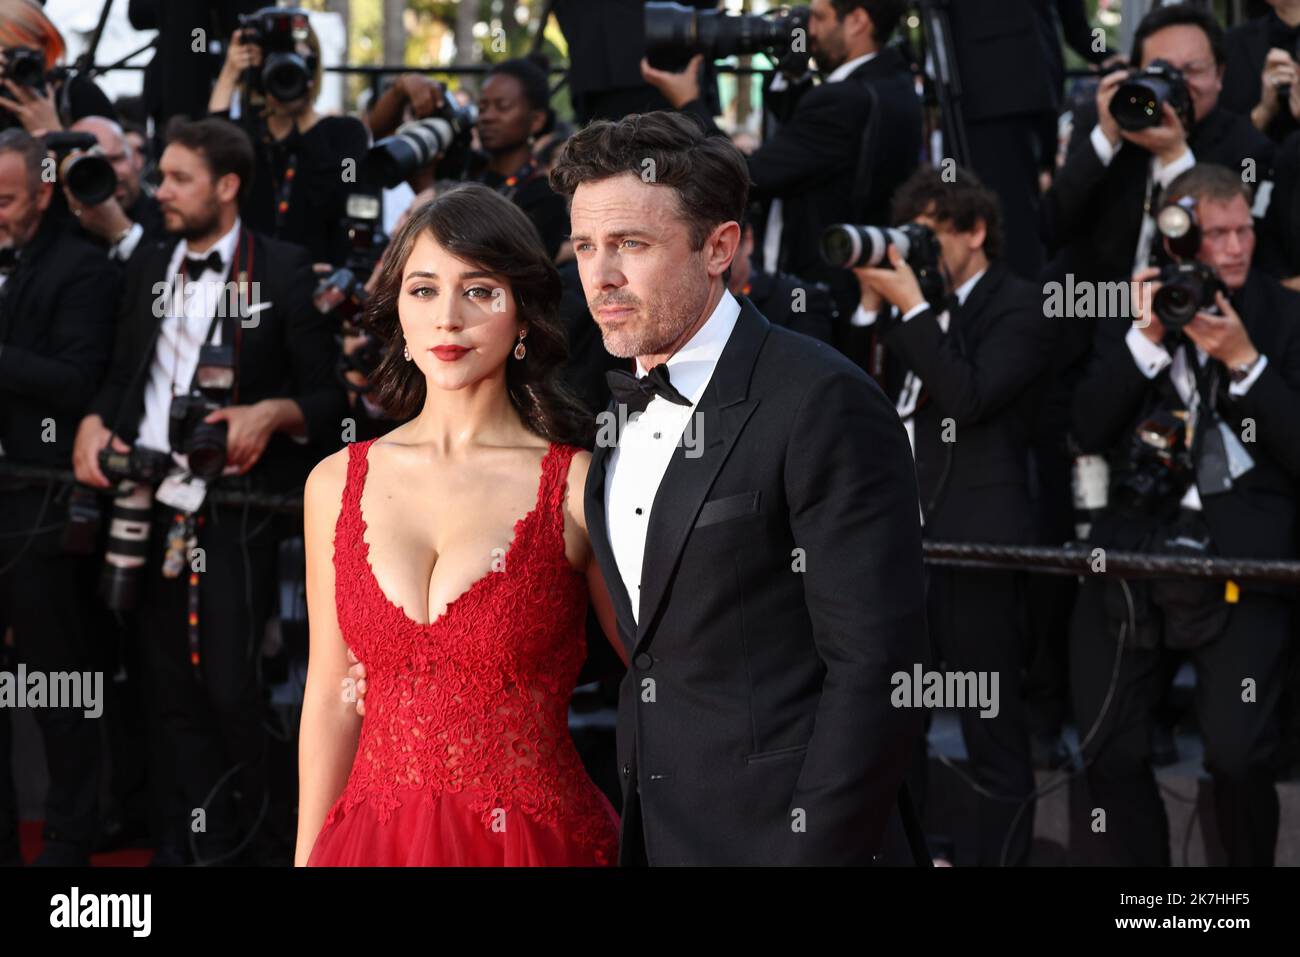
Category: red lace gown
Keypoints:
(465, 756)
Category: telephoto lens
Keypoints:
(416, 144)
(82, 167)
(675, 32)
(852, 247)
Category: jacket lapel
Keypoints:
(723, 411)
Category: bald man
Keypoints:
(130, 215)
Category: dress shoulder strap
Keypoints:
(555, 474)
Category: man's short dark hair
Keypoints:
(1208, 181)
(1178, 15)
(224, 147)
(962, 203)
(885, 15)
(666, 148)
(18, 140)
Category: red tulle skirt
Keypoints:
(443, 830)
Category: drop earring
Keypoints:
(520, 351)
(406, 352)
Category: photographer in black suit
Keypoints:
(1259, 77)
(129, 216)
(849, 143)
(1205, 456)
(203, 673)
(967, 378)
(1097, 215)
(56, 336)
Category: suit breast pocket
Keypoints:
(728, 508)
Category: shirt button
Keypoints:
(658, 435)
(627, 770)
(643, 661)
(638, 511)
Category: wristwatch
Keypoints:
(1238, 373)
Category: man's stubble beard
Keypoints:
(667, 315)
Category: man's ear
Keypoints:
(44, 193)
(721, 247)
(978, 234)
(228, 187)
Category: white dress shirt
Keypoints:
(180, 335)
(1153, 358)
(646, 444)
(775, 219)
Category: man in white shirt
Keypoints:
(754, 517)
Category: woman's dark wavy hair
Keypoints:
(478, 225)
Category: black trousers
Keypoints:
(208, 738)
(1240, 736)
(45, 598)
(976, 624)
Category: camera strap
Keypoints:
(231, 331)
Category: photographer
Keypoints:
(240, 391)
(55, 342)
(1279, 236)
(1097, 215)
(967, 374)
(36, 94)
(1259, 78)
(1195, 402)
(513, 110)
(128, 216)
(814, 167)
(299, 189)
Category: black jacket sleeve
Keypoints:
(1111, 393)
(312, 351)
(851, 488)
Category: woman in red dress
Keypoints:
(459, 571)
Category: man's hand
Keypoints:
(1222, 337)
(899, 285)
(35, 111)
(1293, 283)
(678, 88)
(1279, 70)
(105, 220)
(1106, 93)
(357, 676)
(1141, 291)
(249, 427)
(92, 436)
(1167, 142)
(423, 94)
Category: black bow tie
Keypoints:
(194, 268)
(636, 393)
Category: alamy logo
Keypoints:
(946, 689)
(57, 689)
(103, 910)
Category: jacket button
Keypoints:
(643, 661)
(627, 770)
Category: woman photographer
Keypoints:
(299, 193)
(54, 101)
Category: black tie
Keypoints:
(636, 393)
(194, 268)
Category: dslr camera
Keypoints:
(82, 166)
(204, 443)
(1138, 103)
(25, 66)
(1155, 466)
(342, 294)
(674, 33)
(847, 246)
(134, 475)
(1187, 285)
(287, 61)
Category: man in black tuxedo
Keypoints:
(56, 336)
(130, 215)
(1244, 356)
(849, 143)
(755, 522)
(968, 377)
(284, 411)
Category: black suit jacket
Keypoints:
(56, 336)
(1092, 214)
(1257, 517)
(1278, 251)
(289, 353)
(1003, 58)
(987, 375)
(775, 297)
(1247, 49)
(771, 685)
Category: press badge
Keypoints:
(183, 492)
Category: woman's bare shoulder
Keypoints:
(323, 492)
